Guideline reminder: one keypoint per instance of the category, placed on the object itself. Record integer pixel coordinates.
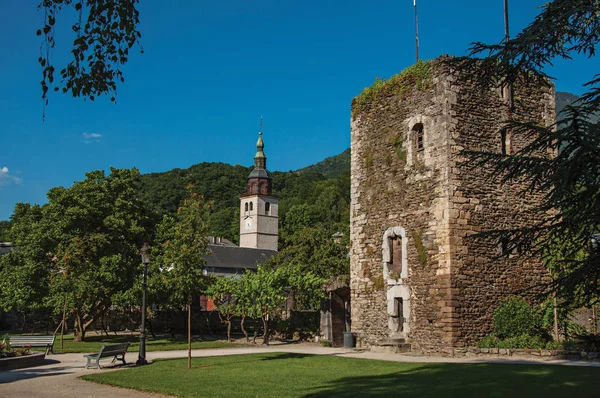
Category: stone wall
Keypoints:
(451, 283)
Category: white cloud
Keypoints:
(91, 137)
(6, 178)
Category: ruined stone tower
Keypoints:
(416, 274)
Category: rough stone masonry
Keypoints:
(416, 271)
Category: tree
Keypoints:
(314, 250)
(571, 179)
(105, 32)
(5, 231)
(268, 289)
(184, 253)
(224, 292)
(81, 248)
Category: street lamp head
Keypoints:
(145, 252)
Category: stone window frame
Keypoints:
(246, 208)
(386, 250)
(267, 208)
(418, 130)
(397, 288)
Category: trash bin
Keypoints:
(349, 340)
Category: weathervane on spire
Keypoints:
(260, 130)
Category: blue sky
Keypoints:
(210, 69)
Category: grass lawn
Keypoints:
(297, 375)
(93, 343)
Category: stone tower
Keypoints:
(417, 274)
(258, 206)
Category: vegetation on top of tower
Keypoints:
(417, 75)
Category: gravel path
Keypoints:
(59, 377)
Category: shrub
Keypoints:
(523, 341)
(489, 342)
(515, 318)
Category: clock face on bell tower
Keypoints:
(248, 223)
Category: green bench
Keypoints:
(117, 351)
(33, 341)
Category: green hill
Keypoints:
(330, 167)
(307, 197)
(563, 99)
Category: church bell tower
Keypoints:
(258, 207)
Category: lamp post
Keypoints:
(145, 252)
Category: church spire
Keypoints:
(259, 180)
(260, 159)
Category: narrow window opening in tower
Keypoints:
(503, 246)
(503, 143)
(251, 206)
(399, 312)
(396, 254)
(419, 136)
(267, 208)
(246, 207)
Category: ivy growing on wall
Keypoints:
(421, 250)
(417, 75)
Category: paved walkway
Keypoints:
(59, 377)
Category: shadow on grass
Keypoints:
(286, 355)
(476, 380)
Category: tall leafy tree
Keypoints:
(315, 250)
(80, 250)
(571, 179)
(184, 251)
(5, 231)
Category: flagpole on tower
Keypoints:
(416, 30)
(506, 34)
(509, 88)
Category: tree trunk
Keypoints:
(256, 330)
(556, 337)
(594, 320)
(62, 323)
(151, 328)
(244, 330)
(103, 325)
(266, 333)
(189, 325)
(79, 329)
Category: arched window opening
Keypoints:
(251, 206)
(267, 208)
(246, 207)
(419, 136)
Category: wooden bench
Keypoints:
(33, 341)
(114, 350)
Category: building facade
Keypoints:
(418, 276)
